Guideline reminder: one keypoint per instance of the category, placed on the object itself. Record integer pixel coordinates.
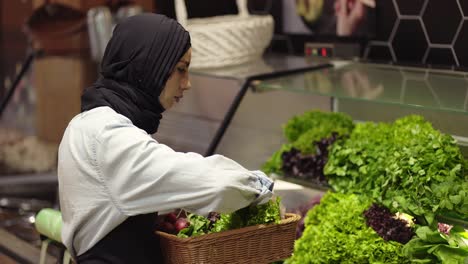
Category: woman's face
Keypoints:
(177, 83)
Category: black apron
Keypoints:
(132, 242)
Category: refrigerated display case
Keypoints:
(367, 92)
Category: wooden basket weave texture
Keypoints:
(254, 244)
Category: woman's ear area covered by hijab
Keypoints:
(177, 83)
(141, 55)
(143, 51)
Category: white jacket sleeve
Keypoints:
(143, 176)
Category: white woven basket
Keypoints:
(226, 40)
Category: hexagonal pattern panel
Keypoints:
(442, 18)
(433, 32)
(380, 53)
(440, 57)
(464, 7)
(410, 7)
(386, 16)
(410, 42)
(461, 44)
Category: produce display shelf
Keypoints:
(303, 182)
(447, 218)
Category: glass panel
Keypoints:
(191, 124)
(389, 92)
(412, 87)
(255, 132)
(270, 63)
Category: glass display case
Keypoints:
(367, 92)
(239, 111)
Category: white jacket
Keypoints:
(109, 170)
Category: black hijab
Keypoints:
(138, 60)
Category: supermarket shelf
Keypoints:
(294, 195)
(308, 184)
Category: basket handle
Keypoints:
(181, 10)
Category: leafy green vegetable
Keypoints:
(407, 165)
(318, 121)
(336, 232)
(225, 223)
(301, 131)
(304, 142)
(388, 225)
(252, 215)
(264, 213)
(431, 246)
(199, 225)
(274, 163)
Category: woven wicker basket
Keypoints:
(254, 244)
(226, 40)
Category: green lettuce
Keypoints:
(302, 130)
(407, 165)
(252, 215)
(431, 246)
(336, 232)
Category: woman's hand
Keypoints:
(265, 186)
(349, 14)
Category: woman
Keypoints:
(113, 175)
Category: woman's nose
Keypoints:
(188, 85)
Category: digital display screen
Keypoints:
(331, 18)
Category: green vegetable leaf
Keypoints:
(430, 244)
(301, 131)
(252, 215)
(336, 232)
(408, 164)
